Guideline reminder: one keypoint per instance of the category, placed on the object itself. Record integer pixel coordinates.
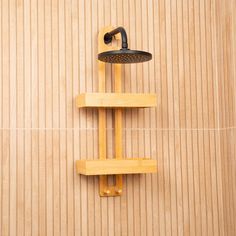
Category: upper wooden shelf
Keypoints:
(115, 166)
(116, 100)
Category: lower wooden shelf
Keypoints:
(114, 166)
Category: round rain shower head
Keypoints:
(124, 56)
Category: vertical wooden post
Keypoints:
(102, 129)
(118, 127)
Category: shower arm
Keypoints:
(108, 36)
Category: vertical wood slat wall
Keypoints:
(227, 81)
(48, 54)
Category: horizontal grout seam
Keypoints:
(139, 129)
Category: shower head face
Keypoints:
(124, 56)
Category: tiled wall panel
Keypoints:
(48, 54)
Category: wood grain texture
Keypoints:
(110, 166)
(48, 55)
(117, 100)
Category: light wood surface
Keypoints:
(118, 124)
(48, 54)
(116, 100)
(113, 167)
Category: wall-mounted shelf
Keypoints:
(120, 100)
(117, 100)
(114, 166)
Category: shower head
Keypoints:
(124, 55)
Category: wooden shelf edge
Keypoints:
(115, 166)
(116, 100)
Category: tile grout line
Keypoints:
(141, 129)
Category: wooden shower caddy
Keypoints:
(118, 101)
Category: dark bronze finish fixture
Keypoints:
(124, 55)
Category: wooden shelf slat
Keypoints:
(116, 100)
(115, 166)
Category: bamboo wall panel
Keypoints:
(48, 55)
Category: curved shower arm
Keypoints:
(108, 36)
